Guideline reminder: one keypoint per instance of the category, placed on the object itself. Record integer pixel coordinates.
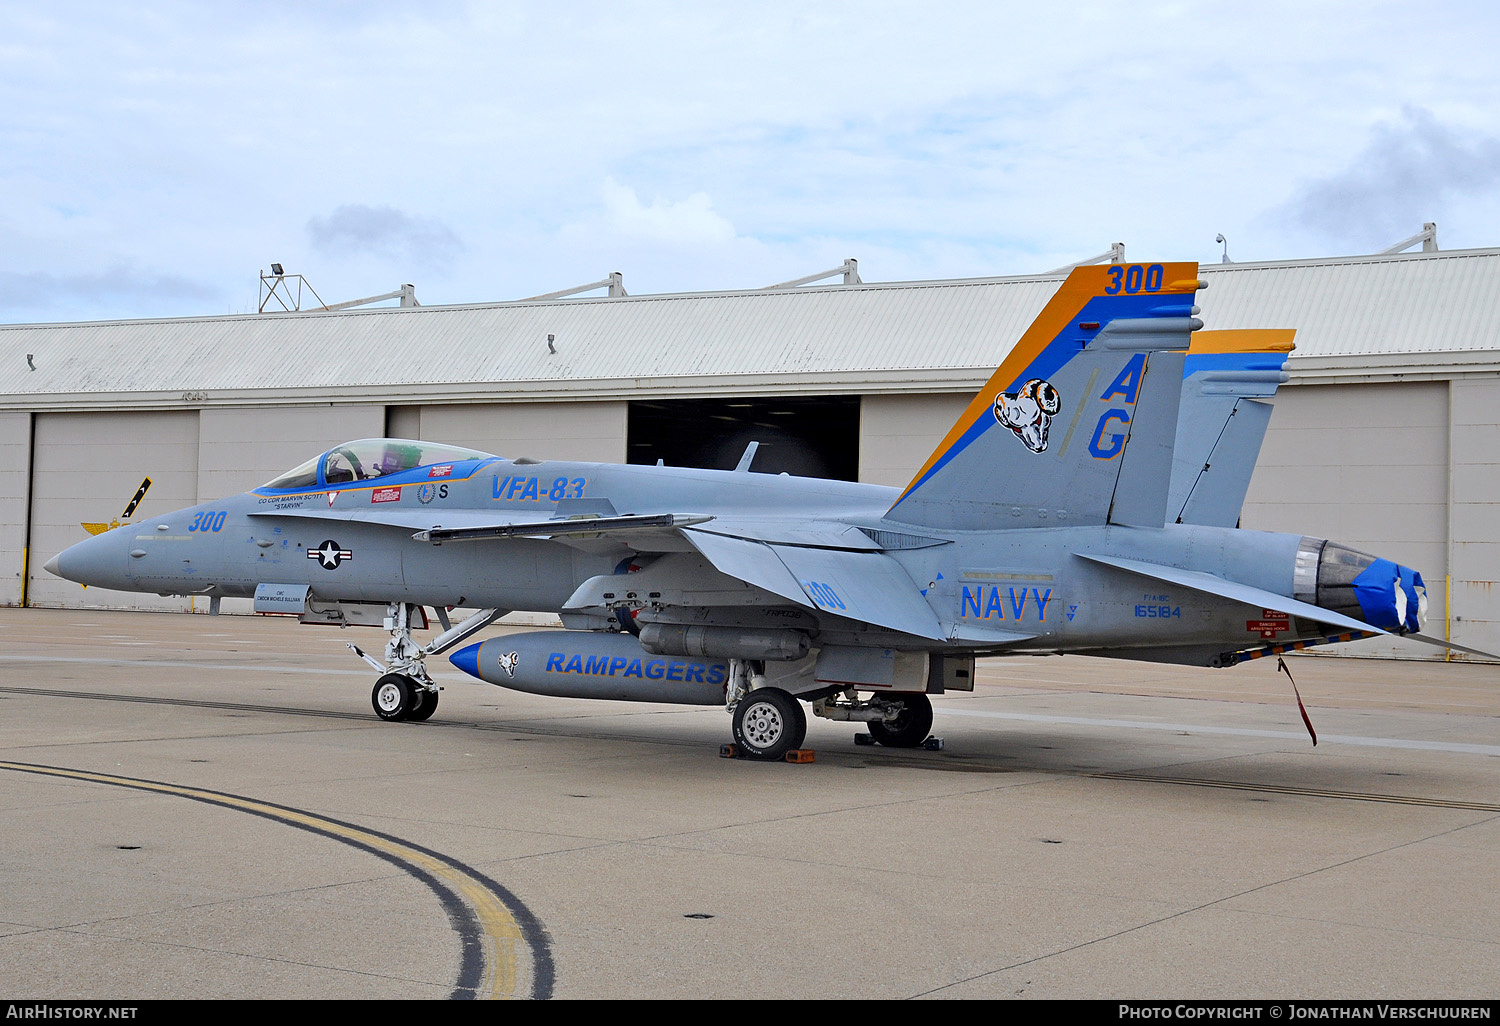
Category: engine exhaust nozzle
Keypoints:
(1379, 592)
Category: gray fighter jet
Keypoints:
(1066, 511)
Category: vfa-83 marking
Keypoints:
(1106, 458)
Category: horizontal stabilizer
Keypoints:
(1427, 639)
(1212, 585)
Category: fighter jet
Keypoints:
(1066, 511)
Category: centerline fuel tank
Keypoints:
(580, 664)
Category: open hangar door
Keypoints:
(806, 436)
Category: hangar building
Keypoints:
(1384, 439)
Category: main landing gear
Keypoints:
(769, 722)
(898, 719)
(908, 726)
(405, 691)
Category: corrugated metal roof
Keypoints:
(1417, 303)
(1424, 307)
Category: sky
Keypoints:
(156, 157)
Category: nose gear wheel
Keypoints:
(395, 696)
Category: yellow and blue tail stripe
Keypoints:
(1088, 300)
(1239, 349)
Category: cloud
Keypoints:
(1400, 180)
(120, 284)
(693, 221)
(384, 231)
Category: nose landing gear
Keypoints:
(405, 691)
(398, 697)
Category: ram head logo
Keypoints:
(1029, 411)
(508, 663)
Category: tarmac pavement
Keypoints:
(207, 807)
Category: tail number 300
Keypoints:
(1134, 278)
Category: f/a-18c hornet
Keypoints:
(1066, 511)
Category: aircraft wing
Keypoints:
(866, 586)
(825, 565)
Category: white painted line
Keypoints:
(1193, 728)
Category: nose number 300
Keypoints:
(212, 521)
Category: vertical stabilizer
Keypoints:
(1140, 497)
(1044, 443)
(1222, 422)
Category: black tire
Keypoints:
(768, 723)
(393, 697)
(911, 727)
(427, 705)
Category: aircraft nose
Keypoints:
(97, 561)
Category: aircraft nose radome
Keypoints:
(99, 560)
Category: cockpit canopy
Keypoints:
(369, 459)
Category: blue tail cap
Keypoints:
(1381, 597)
(1416, 597)
(467, 659)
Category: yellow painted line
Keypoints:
(500, 935)
(1307, 792)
